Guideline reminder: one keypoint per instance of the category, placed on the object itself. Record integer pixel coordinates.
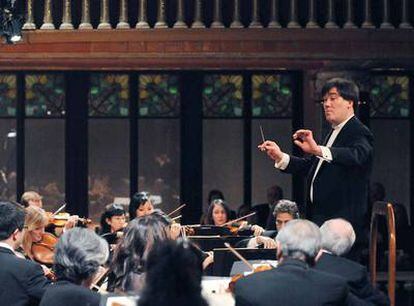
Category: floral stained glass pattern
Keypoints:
(45, 95)
(271, 96)
(389, 96)
(109, 95)
(8, 95)
(223, 96)
(159, 95)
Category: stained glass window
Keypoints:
(45, 95)
(8, 95)
(271, 95)
(109, 95)
(223, 95)
(159, 95)
(389, 96)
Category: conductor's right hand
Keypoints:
(272, 150)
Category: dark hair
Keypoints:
(217, 202)
(173, 276)
(11, 218)
(111, 210)
(140, 236)
(215, 194)
(137, 200)
(346, 89)
(274, 194)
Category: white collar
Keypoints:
(6, 246)
(341, 125)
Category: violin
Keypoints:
(43, 251)
(60, 219)
(237, 225)
(235, 278)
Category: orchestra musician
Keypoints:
(112, 223)
(140, 205)
(22, 282)
(218, 214)
(79, 254)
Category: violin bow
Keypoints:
(239, 219)
(59, 209)
(239, 256)
(177, 209)
(176, 218)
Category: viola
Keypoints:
(43, 251)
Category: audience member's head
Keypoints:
(140, 205)
(11, 223)
(34, 228)
(173, 276)
(79, 254)
(218, 213)
(274, 194)
(113, 219)
(338, 236)
(299, 239)
(31, 198)
(140, 236)
(284, 212)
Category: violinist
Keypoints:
(79, 254)
(140, 205)
(218, 214)
(127, 266)
(285, 211)
(31, 198)
(113, 219)
(293, 282)
(34, 233)
(22, 282)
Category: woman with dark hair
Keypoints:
(173, 276)
(218, 213)
(113, 219)
(140, 205)
(79, 254)
(140, 236)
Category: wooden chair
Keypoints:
(383, 209)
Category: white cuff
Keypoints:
(326, 154)
(252, 244)
(283, 163)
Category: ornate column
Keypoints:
(142, 18)
(47, 16)
(198, 21)
(29, 24)
(123, 15)
(217, 20)
(160, 24)
(180, 23)
(104, 21)
(67, 16)
(85, 19)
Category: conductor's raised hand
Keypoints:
(272, 150)
(304, 140)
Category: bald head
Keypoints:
(338, 236)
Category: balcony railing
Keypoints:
(195, 14)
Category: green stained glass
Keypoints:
(45, 95)
(159, 95)
(8, 95)
(271, 95)
(109, 95)
(389, 96)
(223, 96)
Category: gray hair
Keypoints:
(286, 206)
(300, 239)
(79, 253)
(338, 236)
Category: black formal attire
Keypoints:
(293, 282)
(65, 293)
(355, 275)
(340, 188)
(22, 282)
